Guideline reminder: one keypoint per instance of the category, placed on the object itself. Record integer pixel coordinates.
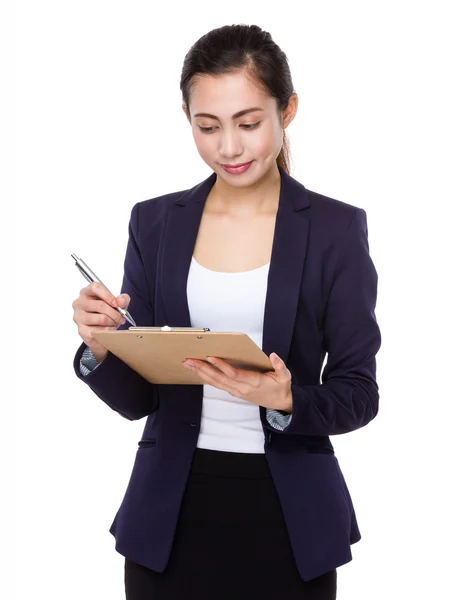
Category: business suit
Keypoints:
(321, 298)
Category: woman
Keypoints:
(235, 490)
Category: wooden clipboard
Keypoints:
(158, 355)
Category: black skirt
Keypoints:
(231, 540)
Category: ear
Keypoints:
(184, 108)
(290, 111)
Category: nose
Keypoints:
(230, 146)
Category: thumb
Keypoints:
(277, 362)
(123, 300)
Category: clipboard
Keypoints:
(157, 353)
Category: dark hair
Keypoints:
(234, 48)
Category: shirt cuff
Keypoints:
(88, 362)
(277, 419)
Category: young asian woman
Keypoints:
(236, 490)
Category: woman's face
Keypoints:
(225, 138)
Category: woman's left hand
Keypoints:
(271, 389)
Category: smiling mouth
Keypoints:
(236, 166)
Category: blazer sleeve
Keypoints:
(348, 396)
(117, 384)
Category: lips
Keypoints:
(236, 166)
(238, 169)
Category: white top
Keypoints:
(228, 302)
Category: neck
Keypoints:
(262, 196)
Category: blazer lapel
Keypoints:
(285, 272)
(179, 240)
(286, 269)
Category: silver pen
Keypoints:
(91, 277)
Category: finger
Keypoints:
(214, 377)
(98, 290)
(87, 335)
(88, 330)
(243, 376)
(103, 320)
(97, 306)
(225, 367)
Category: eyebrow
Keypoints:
(241, 113)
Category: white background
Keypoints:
(99, 127)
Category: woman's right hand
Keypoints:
(93, 311)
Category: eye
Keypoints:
(248, 127)
(206, 129)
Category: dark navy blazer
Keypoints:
(321, 296)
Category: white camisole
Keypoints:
(228, 302)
